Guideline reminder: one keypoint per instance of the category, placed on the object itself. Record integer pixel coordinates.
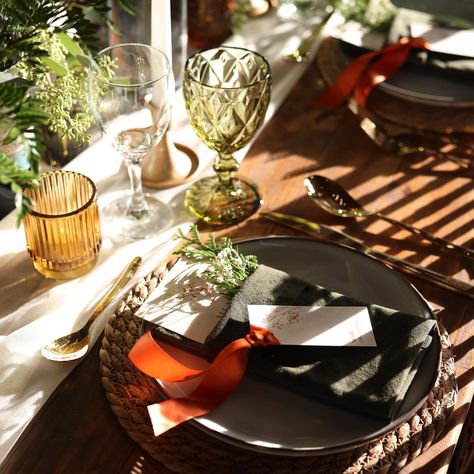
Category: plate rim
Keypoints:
(420, 98)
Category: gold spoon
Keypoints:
(333, 198)
(75, 345)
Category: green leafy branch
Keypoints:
(61, 85)
(375, 14)
(19, 179)
(20, 118)
(240, 15)
(46, 43)
(227, 269)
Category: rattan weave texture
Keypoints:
(186, 449)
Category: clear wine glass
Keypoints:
(226, 93)
(130, 93)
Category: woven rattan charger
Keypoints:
(186, 449)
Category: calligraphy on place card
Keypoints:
(315, 325)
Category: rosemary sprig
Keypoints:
(227, 269)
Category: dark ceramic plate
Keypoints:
(264, 417)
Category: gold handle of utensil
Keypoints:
(129, 271)
(302, 52)
(326, 233)
(464, 251)
(408, 150)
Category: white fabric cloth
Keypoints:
(35, 310)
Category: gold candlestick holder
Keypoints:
(169, 163)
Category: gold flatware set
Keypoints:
(326, 233)
(333, 198)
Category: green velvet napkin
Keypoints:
(366, 379)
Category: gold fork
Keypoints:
(380, 136)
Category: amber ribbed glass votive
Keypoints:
(62, 230)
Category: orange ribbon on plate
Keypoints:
(363, 74)
(219, 380)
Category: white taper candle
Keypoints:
(161, 26)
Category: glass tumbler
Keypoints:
(63, 235)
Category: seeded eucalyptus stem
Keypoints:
(227, 269)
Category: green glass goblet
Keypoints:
(226, 93)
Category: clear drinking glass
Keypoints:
(226, 92)
(131, 90)
(63, 235)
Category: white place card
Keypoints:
(354, 33)
(441, 39)
(315, 325)
(185, 302)
(446, 40)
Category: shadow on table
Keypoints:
(21, 283)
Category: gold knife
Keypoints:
(326, 233)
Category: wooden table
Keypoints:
(76, 432)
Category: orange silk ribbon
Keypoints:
(219, 380)
(361, 75)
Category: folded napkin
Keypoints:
(371, 380)
(455, 65)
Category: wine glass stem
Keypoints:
(225, 166)
(137, 205)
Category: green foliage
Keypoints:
(45, 42)
(18, 179)
(61, 86)
(227, 268)
(20, 117)
(240, 14)
(375, 14)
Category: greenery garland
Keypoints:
(46, 43)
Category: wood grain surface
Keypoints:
(76, 432)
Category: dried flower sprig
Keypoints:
(227, 269)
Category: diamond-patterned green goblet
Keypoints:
(226, 93)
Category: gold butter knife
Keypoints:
(326, 233)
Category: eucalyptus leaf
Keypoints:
(127, 7)
(71, 45)
(84, 59)
(12, 135)
(14, 174)
(34, 115)
(54, 66)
